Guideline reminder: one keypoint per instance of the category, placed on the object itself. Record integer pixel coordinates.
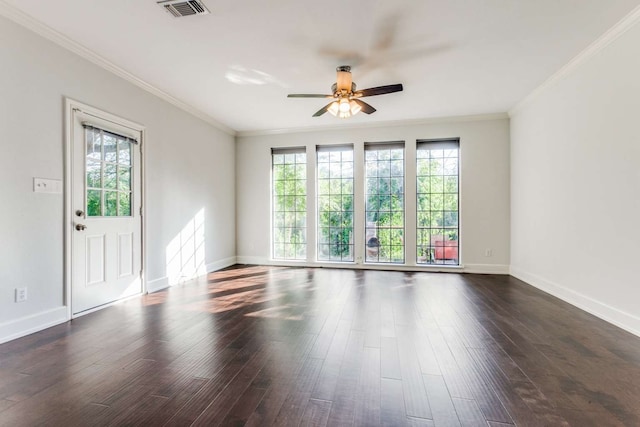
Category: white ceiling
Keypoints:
(236, 65)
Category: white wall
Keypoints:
(484, 146)
(575, 176)
(189, 166)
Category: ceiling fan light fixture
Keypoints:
(344, 105)
(334, 108)
(355, 108)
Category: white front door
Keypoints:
(106, 247)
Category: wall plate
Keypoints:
(43, 185)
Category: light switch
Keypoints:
(42, 185)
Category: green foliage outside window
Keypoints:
(335, 205)
(108, 174)
(289, 205)
(384, 232)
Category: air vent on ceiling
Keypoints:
(180, 8)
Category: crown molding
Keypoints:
(391, 123)
(626, 23)
(27, 21)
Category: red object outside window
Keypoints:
(444, 249)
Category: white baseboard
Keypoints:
(33, 323)
(486, 268)
(256, 260)
(161, 283)
(467, 268)
(619, 318)
(156, 285)
(223, 263)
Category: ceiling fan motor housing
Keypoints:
(344, 81)
(337, 93)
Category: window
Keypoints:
(335, 203)
(384, 204)
(289, 189)
(108, 173)
(437, 202)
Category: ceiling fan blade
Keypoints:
(322, 110)
(380, 90)
(366, 108)
(308, 95)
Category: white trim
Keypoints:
(156, 285)
(109, 304)
(594, 48)
(19, 17)
(220, 264)
(68, 208)
(408, 122)
(33, 323)
(486, 268)
(619, 318)
(143, 209)
(161, 283)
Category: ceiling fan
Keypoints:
(346, 99)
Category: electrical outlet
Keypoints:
(21, 294)
(488, 252)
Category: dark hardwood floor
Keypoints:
(260, 346)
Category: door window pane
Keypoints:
(110, 176)
(94, 178)
(124, 152)
(108, 173)
(94, 203)
(124, 204)
(94, 145)
(124, 178)
(110, 203)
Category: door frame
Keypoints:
(70, 107)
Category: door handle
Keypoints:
(80, 227)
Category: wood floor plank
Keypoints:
(444, 412)
(326, 385)
(367, 407)
(416, 400)
(469, 413)
(464, 378)
(316, 413)
(174, 401)
(392, 412)
(344, 401)
(261, 346)
(521, 398)
(280, 377)
(420, 422)
(6, 404)
(244, 407)
(294, 404)
(203, 398)
(228, 397)
(389, 358)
